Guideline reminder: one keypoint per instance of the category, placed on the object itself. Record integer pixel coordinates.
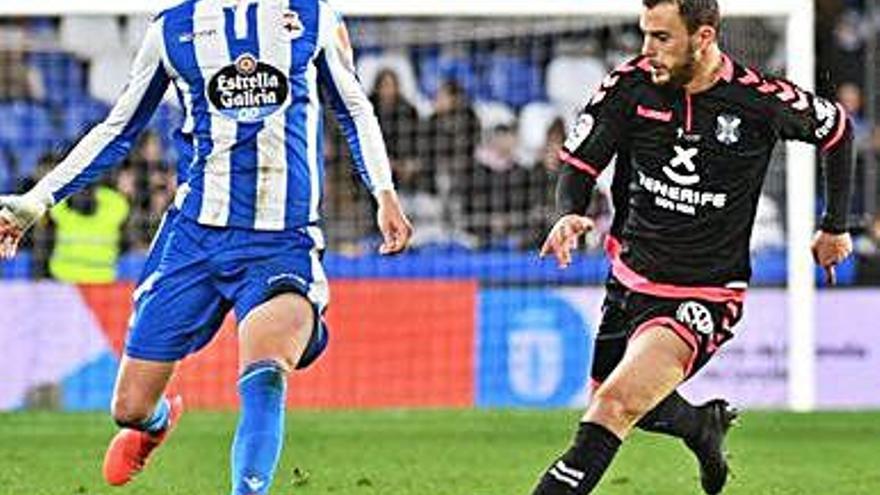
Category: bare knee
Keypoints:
(138, 389)
(290, 342)
(612, 405)
(279, 330)
(129, 409)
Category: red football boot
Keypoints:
(128, 451)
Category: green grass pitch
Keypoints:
(465, 452)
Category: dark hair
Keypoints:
(695, 13)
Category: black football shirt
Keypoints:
(690, 167)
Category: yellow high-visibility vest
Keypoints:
(87, 246)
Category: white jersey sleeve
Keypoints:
(110, 141)
(336, 72)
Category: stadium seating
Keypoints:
(433, 71)
(63, 75)
(79, 116)
(26, 132)
(515, 81)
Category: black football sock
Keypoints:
(672, 416)
(579, 470)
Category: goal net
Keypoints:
(474, 99)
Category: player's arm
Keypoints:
(815, 120)
(355, 114)
(588, 148)
(103, 147)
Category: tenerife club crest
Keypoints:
(727, 131)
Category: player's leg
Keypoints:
(144, 415)
(653, 365)
(138, 401)
(674, 415)
(278, 301)
(273, 337)
(702, 428)
(154, 344)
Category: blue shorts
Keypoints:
(157, 245)
(195, 274)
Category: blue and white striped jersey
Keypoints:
(247, 74)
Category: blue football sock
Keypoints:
(257, 445)
(159, 420)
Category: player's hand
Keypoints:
(829, 250)
(393, 224)
(17, 214)
(563, 237)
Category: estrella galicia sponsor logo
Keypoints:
(248, 90)
(697, 316)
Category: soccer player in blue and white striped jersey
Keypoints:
(247, 235)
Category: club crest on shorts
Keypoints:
(697, 316)
(727, 131)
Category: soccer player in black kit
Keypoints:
(693, 132)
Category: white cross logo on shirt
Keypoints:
(683, 158)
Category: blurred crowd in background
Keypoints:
(473, 113)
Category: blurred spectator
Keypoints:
(494, 197)
(850, 96)
(449, 139)
(447, 143)
(18, 80)
(542, 185)
(399, 121)
(868, 244)
(847, 55)
(541, 212)
(40, 239)
(346, 205)
(867, 247)
(88, 229)
(414, 175)
(370, 66)
(149, 184)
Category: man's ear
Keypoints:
(705, 36)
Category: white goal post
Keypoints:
(800, 57)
